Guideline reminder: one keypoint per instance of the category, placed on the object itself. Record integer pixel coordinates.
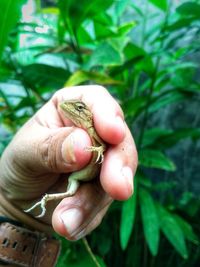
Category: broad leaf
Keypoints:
(166, 138)
(172, 230)
(162, 4)
(189, 9)
(73, 13)
(10, 14)
(105, 55)
(155, 159)
(42, 76)
(150, 221)
(82, 76)
(125, 28)
(128, 218)
(133, 106)
(187, 230)
(168, 97)
(119, 7)
(172, 138)
(151, 135)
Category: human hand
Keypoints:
(48, 146)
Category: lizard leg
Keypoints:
(71, 190)
(99, 150)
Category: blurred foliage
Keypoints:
(144, 53)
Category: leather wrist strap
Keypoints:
(22, 247)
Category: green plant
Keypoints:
(144, 53)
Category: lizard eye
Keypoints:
(80, 106)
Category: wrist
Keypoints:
(9, 210)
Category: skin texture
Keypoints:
(48, 146)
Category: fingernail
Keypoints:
(128, 176)
(72, 219)
(68, 149)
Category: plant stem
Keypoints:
(151, 89)
(88, 248)
(146, 111)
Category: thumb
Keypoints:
(62, 150)
(37, 155)
(41, 150)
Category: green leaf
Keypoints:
(128, 218)
(162, 4)
(164, 186)
(81, 76)
(146, 65)
(144, 180)
(133, 106)
(151, 135)
(165, 138)
(183, 76)
(155, 159)
(133, 51)
(150, 221)
(120, 6)
(189, 9)
(10, 14)
(168, 97)
(180, 23)
(104, 55)
(187, 229)
(174, 137)
(41, 75)
(125, 28)
(74, 14)
(172, 231)
(78, 256)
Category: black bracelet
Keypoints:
(6, 219)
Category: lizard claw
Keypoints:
(99, 150)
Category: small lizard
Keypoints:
(82, 117)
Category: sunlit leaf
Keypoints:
(162, 4)
(50, 10)
(125, 28)
(150, 220)
(82, 76)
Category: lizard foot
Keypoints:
(99, 150)
(71, 190)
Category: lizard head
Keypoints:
(78, 112)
